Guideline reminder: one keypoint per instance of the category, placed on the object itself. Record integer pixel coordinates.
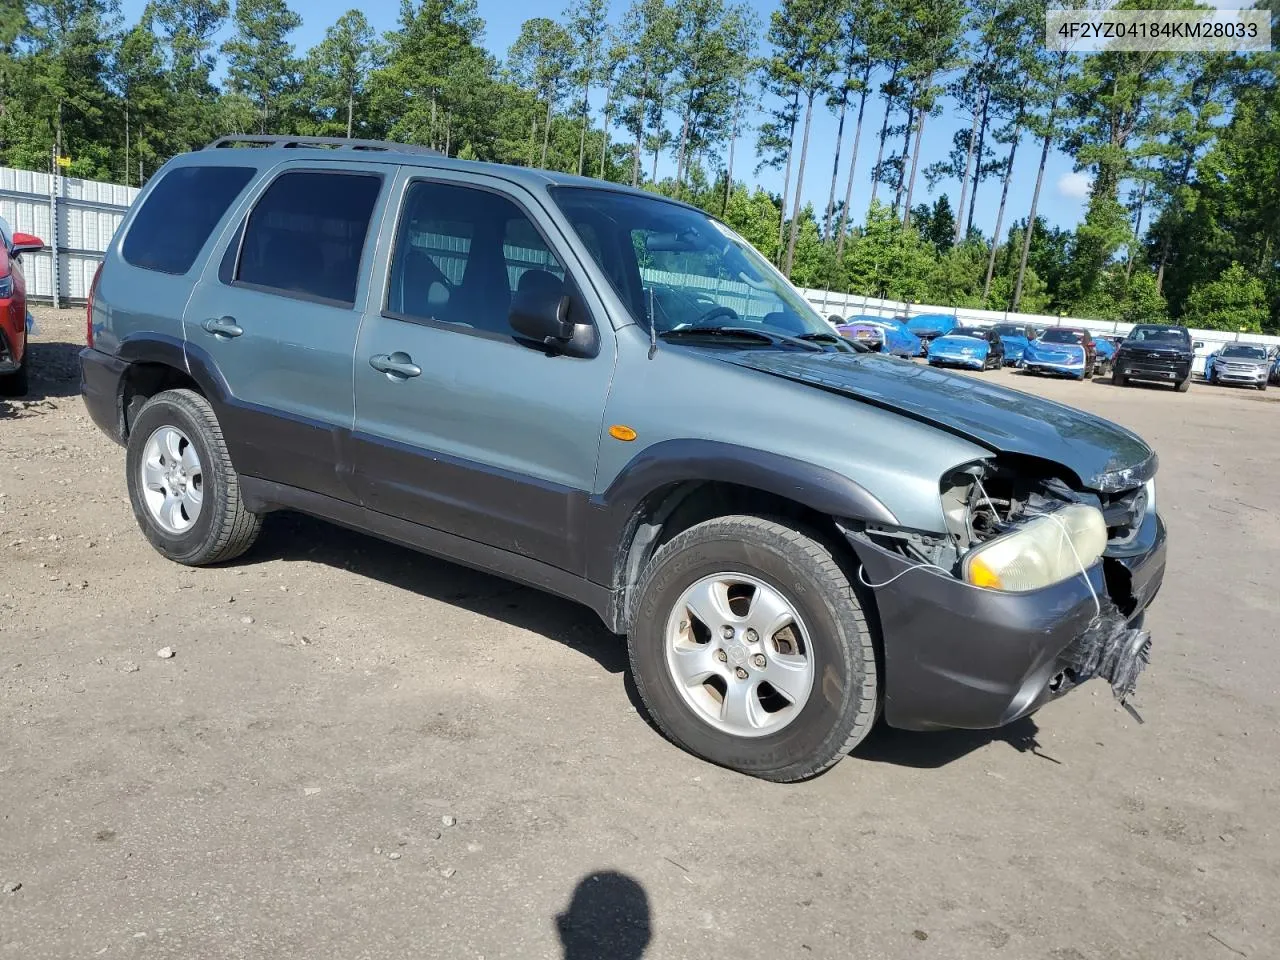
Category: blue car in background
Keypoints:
(1106, 348)
(1067, 351)
(898, 339)
(1015, 337)
(930, 326)
(971, 347)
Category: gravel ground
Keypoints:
(355, 751)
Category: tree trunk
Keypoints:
(827, 225)
(728, 171)
(604, 140)
(1137, 233)
(915, 162)
(351, 109)
(853, 163)
(546, 134)
(1035, 202)
(795, 205)
(680, 153)
(977, 167)
(884, 132)
(1165, 244)
(586, 115)
(533, 140)
(906, 148)
(968, 168)
(786, 179)
(1004, 196)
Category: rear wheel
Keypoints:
(1119, 379)
(750, 649)
(184, 491)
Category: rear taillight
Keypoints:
(88, 310)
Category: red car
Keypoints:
(13, 309)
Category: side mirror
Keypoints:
(542, 315)
(26, 243)
(540, 312)
(1198, 345)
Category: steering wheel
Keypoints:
(717, 311)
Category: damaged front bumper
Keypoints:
(961, 656)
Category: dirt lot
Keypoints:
(360, 752)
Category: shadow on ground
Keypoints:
(608, 918)
(294, 537)
(54, 372)
(928, 751)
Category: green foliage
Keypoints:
(335, 78)
(1236, 301)
(754, 215)
(260, 60)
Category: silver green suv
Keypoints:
(610, 396)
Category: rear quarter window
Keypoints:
(179, 214)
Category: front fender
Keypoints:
(673, 462)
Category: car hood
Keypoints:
(1103, 455)
(950, 341)
(1039, 346)
(1249, 361)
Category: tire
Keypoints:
(222, 528)
(1119, 379)
(1184, 385)
(1087, 375)
(17, 383)
(1262, 386)
(841, 703)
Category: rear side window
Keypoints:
(306, 235)
(179, 214)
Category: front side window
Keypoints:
(462, 254)
(680, 270)
(179, 214)
(306, 235)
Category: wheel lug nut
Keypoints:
(726, 632)
(740, 673)
(752, 636)
(721, 656)
(759, 660)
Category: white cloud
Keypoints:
(1076, 185)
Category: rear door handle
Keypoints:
(224, 327)
(397, 366)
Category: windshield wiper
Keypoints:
(767, 336)
(831, 338)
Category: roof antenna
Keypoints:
(653, 328)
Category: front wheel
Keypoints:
(750, 649)
(184, 491)
(1185, 385)
(16, 383)
(1119, 379)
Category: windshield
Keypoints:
(1158, 335)
(1061, 335)
(1245, 352)
(968, 332)
(684, 270)
(1010, 330)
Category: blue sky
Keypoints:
(1062, 198)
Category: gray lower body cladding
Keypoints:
(958, 656)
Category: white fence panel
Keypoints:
(87, 214)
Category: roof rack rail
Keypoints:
(334, 143)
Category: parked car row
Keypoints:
(1153, 353)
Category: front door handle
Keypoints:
(398, 366)
(224, 327)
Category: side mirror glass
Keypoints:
(1198, 345)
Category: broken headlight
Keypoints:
(1042, 551)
